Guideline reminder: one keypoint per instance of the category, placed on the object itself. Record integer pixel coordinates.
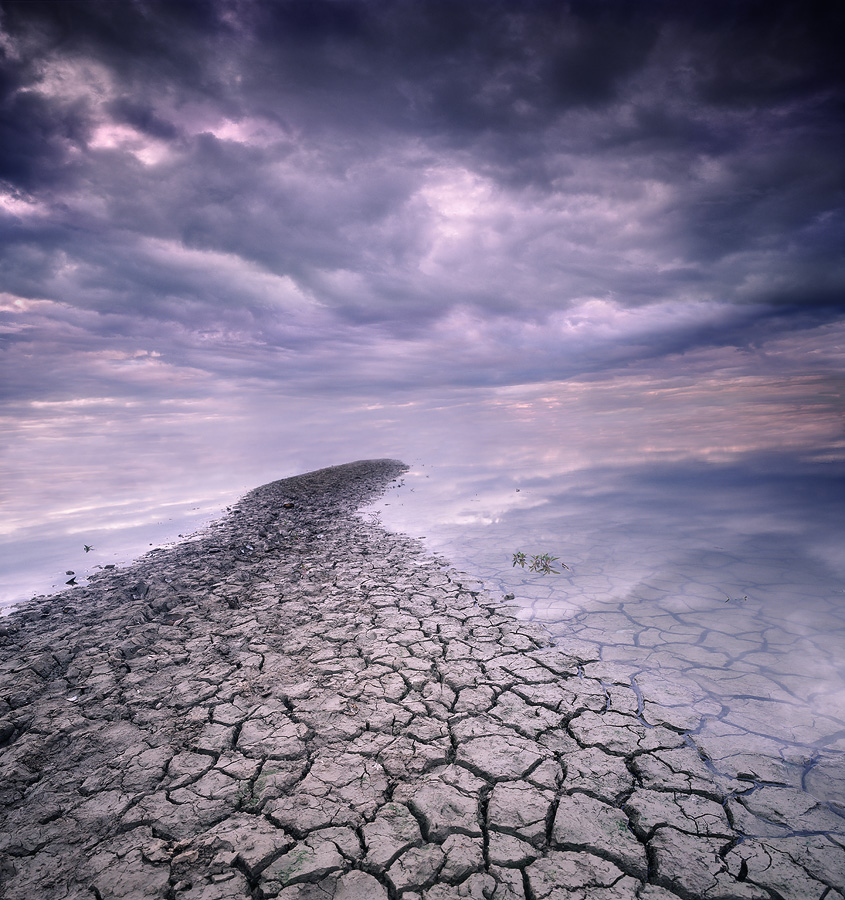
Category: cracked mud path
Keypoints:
(301, 705)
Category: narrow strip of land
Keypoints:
(301, 705)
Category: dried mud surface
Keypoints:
(300, 705)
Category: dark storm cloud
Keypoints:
(143, 117)
(382, 192)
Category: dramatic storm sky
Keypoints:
(233, 208)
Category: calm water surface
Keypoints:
(701, 523)
(715, 590)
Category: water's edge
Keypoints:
(301, 697)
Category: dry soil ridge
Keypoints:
(303, 706)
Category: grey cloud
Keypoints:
(37, 138)
(296, 186)
(143, 117)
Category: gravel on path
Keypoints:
(300, 705)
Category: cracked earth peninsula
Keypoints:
(300, 705)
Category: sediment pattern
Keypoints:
(300, 705)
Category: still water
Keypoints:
(715, 590)
(700, 521)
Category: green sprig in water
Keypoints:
(541, 563)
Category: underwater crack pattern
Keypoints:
(301, 705)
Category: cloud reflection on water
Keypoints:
(671, 500)
(715, 566)
(107, 466)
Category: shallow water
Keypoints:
(717, 591)
(701, 519)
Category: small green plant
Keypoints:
(541, 563)
(296, 860)
(250, 795)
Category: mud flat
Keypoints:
(303, 706)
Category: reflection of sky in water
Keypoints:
(652, 491)
(665, 498)
(725, 528)
(606, 470)
(722, 584)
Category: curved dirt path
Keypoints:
(303, 706)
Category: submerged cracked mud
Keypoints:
(300, 705)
